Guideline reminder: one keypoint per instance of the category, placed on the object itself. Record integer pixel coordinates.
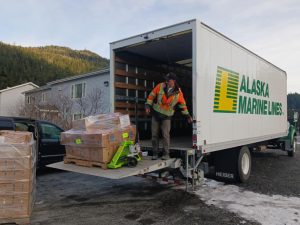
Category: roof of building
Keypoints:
(42, 88)
(18, 86)
(98, 72)
(49, 84)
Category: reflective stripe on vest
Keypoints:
(160, 94)
(166, 109)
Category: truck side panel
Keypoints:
(241, 97)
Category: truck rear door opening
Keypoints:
(140, 67)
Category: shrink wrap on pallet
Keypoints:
(102, 122)
(17, 175)
(97, 138)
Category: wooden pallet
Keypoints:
(85, 163)
(19, 221)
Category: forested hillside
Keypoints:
(43, 64)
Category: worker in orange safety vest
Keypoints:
(162, 99)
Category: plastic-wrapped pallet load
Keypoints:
(102, 122)
(17, 176)
(94, 140)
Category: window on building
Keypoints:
(77, 116)
(78, 90)
(28, 99)
(44, 96)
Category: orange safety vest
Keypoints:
(165, 105)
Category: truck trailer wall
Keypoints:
(240, 97)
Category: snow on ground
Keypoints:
(265, 209)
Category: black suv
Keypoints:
(46, 135)
(7, 123)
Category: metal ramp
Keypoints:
(146, 165)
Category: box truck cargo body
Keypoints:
(235, 97)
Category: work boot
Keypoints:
(165, 157)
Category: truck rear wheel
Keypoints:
(244, 164)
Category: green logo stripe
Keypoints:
(232, 90)
(233, 83)
(235, 87)
(226, 91)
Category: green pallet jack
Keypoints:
(128, 154)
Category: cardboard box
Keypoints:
(16, 150)
(15, 137)
(16, 205)
(102, 122)
(17, 174)
(13, 174)
(22, 163)
(16, 186)
(104, 139)
(96, 154)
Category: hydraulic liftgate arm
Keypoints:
(191, 166)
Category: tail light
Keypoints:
(194, 138)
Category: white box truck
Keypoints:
(238, 100)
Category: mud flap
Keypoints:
(225, 163)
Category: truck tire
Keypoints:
(244, 164)
(293, 150)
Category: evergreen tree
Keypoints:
(43, 64)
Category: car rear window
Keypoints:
(6, 125)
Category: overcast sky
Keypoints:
(269, 28)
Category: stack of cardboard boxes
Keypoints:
(95, 139)
(17, 175)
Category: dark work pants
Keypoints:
(165, 126)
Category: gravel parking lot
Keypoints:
(70, 198)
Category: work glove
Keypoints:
(189, 119)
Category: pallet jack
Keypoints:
(128, 154)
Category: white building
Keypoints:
(12, 97)
(64, 100)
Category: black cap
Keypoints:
(171, 76)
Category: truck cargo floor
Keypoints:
(176, 143)
(146, 165)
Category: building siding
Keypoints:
(60, 102)
(12, 99)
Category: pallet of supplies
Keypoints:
(94, 140)
(17, 176)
